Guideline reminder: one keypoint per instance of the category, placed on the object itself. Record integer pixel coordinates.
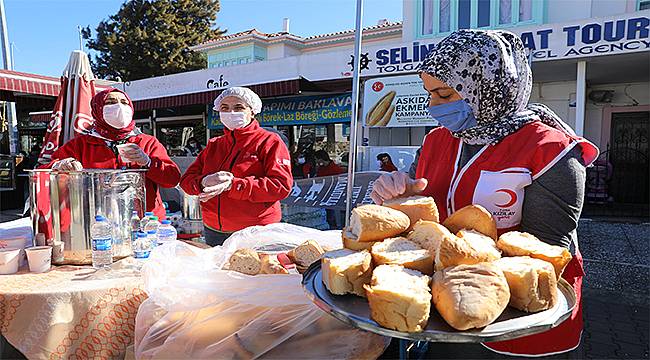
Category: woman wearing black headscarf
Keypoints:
(518, 160)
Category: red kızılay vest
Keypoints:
(495, 178)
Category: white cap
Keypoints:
(245, 94)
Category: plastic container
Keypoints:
(152, 237)
(141, 246)
(152, 224)
(166, 232)
(135, 226)
(102, 242)
(145, 219)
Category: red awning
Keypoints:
(280, 88)
(15, 81)
(30, 84)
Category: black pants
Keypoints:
(213, 237)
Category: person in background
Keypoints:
(493, 148)
(112, 111)
(307, 164)
(385, 163)
(241, 176)
(193, 147)
(326, 166)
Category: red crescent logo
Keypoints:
(513, 198)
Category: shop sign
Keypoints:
(396, 101)
(621, 34)
(303, 110)
(330, 192)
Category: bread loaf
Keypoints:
(399, 298)
(469, 247)
(472, 217)
(428, 235)
(345, 271)
(376, 223)
(416, 208)
(515, 243)
(470, 296)
(245, 261)
(401, 251)
(306, 253)
(350, 242)
(271, 265)
(532, 282)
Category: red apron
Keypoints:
(495, 178)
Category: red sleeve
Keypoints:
(68, 150)
(191, 180)
(306, 169)
(277, 183)
(162, 170)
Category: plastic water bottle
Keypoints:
(152, 224)
(102, 240)
(145, 219)
(152, 238)
(141, 246)
(166, 232)
(135, 226)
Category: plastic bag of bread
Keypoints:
(198, 309)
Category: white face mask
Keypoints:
(379, 163)
(118, 116)
(301, 160)
(233, 120)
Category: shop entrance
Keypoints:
(618, 185)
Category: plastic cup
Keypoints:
(121, 149)
(9, 260)
(39, 258)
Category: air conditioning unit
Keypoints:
(601, 96)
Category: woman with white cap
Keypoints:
(241, 176)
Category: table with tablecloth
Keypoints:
(71, 312)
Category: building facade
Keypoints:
(590, 61)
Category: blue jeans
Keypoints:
(213, 237)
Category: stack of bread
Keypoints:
(250, 262)
(402, 259)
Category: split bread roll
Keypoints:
(271, 265)
(245, 261)
(472, 217)
(532, 282)
(470, 296)
(429, 235)
(401, 251)
(376, 223)
(416, 208)
(515, 243)
(468, 247)
(399, 298)
(306, 254)
(350, 242)
(346, 271)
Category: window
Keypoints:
(643, 4)
(437, 17)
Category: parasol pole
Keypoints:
(355, 109)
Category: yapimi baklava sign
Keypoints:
(396, 101)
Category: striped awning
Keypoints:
(280, 88)
(25, 83)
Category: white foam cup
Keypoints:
(39, 258)
(9, 260)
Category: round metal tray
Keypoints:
(511, 324)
